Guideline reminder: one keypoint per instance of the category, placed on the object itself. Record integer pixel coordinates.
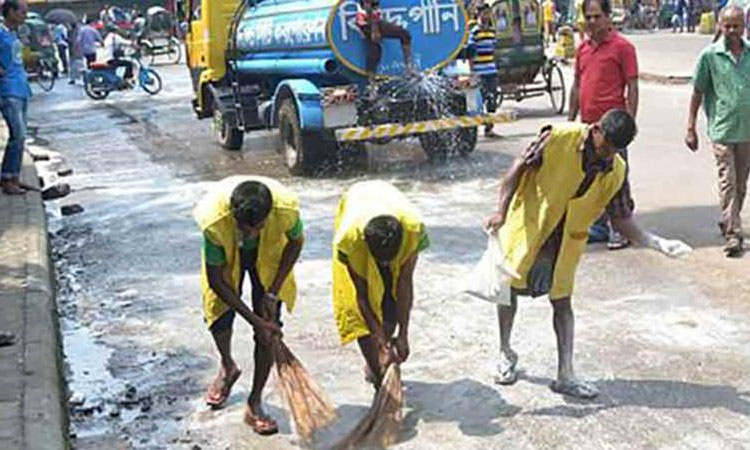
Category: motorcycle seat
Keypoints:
(99, 65)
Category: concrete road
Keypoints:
(664, 340)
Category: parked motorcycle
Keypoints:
(101, 79)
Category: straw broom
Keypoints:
(382, 423)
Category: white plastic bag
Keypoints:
(489, 280)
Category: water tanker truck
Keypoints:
(301, 66)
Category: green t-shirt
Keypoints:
(215, 255)
(725, 84)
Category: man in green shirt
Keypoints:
(722, 84)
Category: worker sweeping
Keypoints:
(250, 224)
(378, 234)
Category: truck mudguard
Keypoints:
(307, 98)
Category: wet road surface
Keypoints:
(664, 340)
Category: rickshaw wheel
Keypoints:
(45, 76)
(553, 77)
(174, 50)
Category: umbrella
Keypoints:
(61, 15)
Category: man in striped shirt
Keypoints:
(482, 61)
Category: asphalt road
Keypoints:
(664, 340)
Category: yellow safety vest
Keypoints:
(362, 202)
(544, 196)
(216, 221)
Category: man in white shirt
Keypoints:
(114, 45)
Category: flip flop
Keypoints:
(264, 426)
(7, 339)
(506, 371)
(216, 402)
(577, 389)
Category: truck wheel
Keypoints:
(436, 146)
(352, 155)
(466, 141)
(301, 152)
(229, 137)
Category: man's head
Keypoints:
(616, 130)
(250, 204)
(732, 23)
(597, 14)
(383, 235)
(484, 12)
(370, 4)
(14, 12)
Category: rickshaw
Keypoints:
(520, 55)
(39, 52)
(158, 36)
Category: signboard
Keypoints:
(437, 28)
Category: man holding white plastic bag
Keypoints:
(549, 198)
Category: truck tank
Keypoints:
(319, 40)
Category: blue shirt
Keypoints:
(15, 82)
(87, 39)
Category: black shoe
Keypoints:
(733, 247)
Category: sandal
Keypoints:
(506, 369)
(264, 426)
(577, 389)
(215, 398)
(7, 339)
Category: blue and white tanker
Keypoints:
(301, 66)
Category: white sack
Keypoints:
(489, 280)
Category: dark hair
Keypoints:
(251, 202)
(8, 5)
(618, 127)
(383, 236)
(605, 5)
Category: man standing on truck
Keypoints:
(249, 224)
(375, 28)
(481, 46)
(378, 234)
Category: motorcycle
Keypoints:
(101, 79)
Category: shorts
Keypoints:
(226, 321)
(539, 279)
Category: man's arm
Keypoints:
(691, 138)
(363, 302)
(404, 304)
(289, 257)
(631, 97)
(574, 98)
(643, 238)
(219, 285)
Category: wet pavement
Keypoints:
(664, 340)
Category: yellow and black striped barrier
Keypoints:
(389, 130)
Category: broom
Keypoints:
(310, 408)
(382, 422)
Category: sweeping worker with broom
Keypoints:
(378, 234)
(250, 224)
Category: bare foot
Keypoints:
(506, 368)
(575, 388)
(12, 188)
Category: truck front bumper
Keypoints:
(391, 130)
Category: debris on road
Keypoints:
(69, 210)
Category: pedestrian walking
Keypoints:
(550, 14)
(606, 77)
(88, 37)
(378, 234)
(61, 41)
(482, 41)
(564, 180)
(252, 225)
(76, 54)
(14, 95)
(722, 85)
(678, 17)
